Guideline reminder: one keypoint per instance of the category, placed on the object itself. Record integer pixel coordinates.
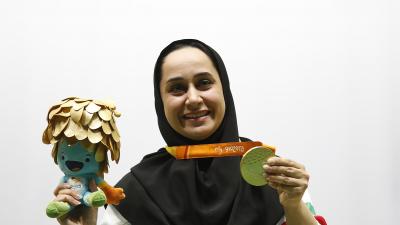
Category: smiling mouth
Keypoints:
(74, 165)
(196, 115)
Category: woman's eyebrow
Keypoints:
(202, 74)
(174, 79)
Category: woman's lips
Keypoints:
(196, 116)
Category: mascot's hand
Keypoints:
(114, 195)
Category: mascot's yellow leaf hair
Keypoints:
(90, 121)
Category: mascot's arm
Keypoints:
(114, 195)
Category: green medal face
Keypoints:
(251, 165)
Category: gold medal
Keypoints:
(252, 162)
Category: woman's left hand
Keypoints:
(289, 178)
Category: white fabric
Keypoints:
(113, 217)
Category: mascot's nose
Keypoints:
(74, 165)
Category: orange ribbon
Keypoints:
(214, 150)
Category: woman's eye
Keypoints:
(204, 83)
(177, 88)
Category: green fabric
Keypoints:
(56, 209)
(97, 199)
(311, 208)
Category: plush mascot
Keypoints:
(81, 132)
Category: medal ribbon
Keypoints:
(214, 150)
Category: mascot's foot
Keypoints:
(97, 199)
(57, 209)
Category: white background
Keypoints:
(317, 79)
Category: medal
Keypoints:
(253, 154)
(252, 162)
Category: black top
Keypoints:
(163, 190)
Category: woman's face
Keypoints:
(191, 92)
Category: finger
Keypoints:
(287, 189)
(276, 161)
(92, 185)
(69, 192)
(67, 198)
(287, 171)
(60, 187)
(288, 181)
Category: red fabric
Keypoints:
(320, 220)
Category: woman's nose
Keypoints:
(194, 98)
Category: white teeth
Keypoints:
(196, 115)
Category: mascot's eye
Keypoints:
(87, 160)
(62, 158)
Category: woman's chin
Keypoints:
(197, 133)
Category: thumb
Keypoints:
(92, 185)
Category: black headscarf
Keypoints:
(163, 190)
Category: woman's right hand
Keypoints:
(80, 215)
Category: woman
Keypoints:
(194, 105)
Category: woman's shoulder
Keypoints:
(160, 152)
(154, 159)
(150, 162)
(244, 139)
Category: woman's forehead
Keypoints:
(188, 60)
(186, 56)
